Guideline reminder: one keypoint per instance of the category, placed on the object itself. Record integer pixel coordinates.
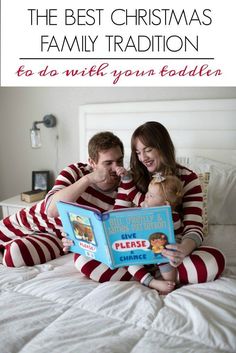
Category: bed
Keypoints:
(52, 308)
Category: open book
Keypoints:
(118, 238)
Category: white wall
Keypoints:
(19, 107)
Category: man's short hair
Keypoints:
(103, 141)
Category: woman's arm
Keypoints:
(192, 233)
(192, 207)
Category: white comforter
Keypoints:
(52, 308)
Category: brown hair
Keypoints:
(152, 134)
(103, 141)
(172, 189)
(160, 236)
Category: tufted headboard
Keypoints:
(197, 127)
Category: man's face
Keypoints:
(109, 160)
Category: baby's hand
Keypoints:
(143, 204)
(66, 243)
(121, 171)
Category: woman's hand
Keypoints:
(174, 253)
(177, 252)
(66, 243)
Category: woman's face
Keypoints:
(148, 156)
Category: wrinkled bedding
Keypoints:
(52, 308)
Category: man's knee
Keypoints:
(30, 251)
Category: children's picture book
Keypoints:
(121, 237)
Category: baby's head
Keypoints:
(166, 190)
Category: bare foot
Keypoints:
(163, 287)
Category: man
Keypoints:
(33, 236)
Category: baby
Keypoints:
(161, 191)
(164, 191)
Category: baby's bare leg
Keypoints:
(166, 285)
(170, 275)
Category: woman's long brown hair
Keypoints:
(155, 135)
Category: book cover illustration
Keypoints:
(119, 237)
(83, 233)
(82, 228)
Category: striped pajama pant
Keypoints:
(21, 246)
(203, 265)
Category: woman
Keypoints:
(152, 151)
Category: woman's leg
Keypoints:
(205, 264)
(99, 272)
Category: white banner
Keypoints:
(91, 43)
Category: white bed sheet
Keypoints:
(52, 308)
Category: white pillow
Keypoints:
(221, 189)
(204, 181)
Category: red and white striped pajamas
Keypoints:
(30, 237)
(204, 264)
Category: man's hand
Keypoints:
(98, 176)
(66, 243)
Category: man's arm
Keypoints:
(68, 194)
(72, 192)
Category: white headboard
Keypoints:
(197, 127)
